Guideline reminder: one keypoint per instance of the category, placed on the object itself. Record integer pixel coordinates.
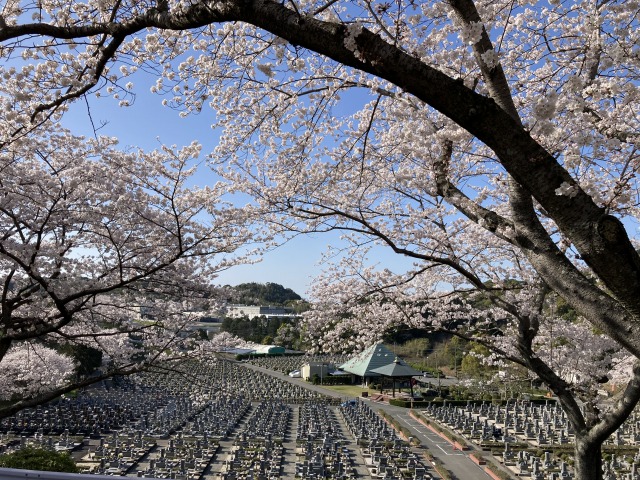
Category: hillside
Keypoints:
(263, 294)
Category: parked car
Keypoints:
(295, 374)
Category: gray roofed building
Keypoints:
(398, 368)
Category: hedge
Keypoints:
(456, 403)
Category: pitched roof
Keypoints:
(375, 356)
(398, 368)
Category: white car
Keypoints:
(295, 374)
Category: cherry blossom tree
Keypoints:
(521, 325)
(490, 141)
(106, 249)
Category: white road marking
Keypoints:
(430, 436)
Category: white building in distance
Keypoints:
(253, 311)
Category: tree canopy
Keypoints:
(103, 254)
(269, 293)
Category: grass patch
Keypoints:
(349, 390)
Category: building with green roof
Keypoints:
(378, 362)
(363, 364)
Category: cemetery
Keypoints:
(215, 421)
(222, 420)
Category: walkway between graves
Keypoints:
(225, 448)
(289, 445)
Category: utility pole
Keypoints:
(438, 373)
(455, 359)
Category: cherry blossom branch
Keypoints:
(559, 386)
(323, 7)
(484, 217)
(485, 343)
(486, 57)
(613, 418)
(370, 230)
(106, 55)
(532, 237)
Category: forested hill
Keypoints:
(263, 294)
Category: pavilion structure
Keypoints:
(397, 370)
(376, 363)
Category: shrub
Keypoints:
(39, 459)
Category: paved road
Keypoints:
(455, 461)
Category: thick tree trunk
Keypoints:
(588, 460)
(5, 344)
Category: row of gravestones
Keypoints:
(187, 457)
(527, 464)
(191, 429)
(94, 412)
(386, 455)
(250, 459)
(124, 417)
(259, 458)
(321, 445)
(545, 467)
(317, 421)
(234, 378)
(178, 457)
(156, 404)
(321, 448)
(258, 450)
(187, 452)
(538, 425)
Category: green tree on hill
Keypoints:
(264, 294)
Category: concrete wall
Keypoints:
(17, 474)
